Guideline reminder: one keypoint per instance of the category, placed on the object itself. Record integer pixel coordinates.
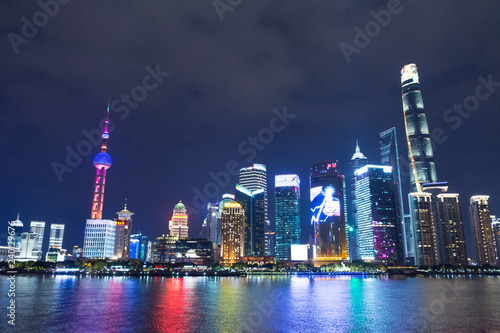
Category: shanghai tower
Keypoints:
(420, 152)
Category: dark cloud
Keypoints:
(226, 77)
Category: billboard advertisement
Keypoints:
(324, 204)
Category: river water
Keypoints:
(254, 304)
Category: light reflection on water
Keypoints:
(255, 304)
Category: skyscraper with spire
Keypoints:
(358, 161)
(99, 241)
(418, 138)
(123, 231)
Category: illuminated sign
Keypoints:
(287, 180)
(324, 204)
(232, 205)
(298, 252)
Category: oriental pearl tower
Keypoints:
(102, 161)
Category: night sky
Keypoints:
(225, 78)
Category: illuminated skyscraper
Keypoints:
(139, 247)
(178, 225)
(253, 204)
(232, 238)
(255, 178)
(389, 156)
(56, 236)
(484, 242)
(450, 230)
(417, 131)
(378, 217)
(358, 161)
(328, 213)
(99, 241)
(495, 227)
(210, 223)
(287, 203)
(422, 215)
(38, 227)
(123, 230)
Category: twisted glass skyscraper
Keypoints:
(417, 131)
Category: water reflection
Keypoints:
(257, 304)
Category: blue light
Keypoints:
(103, 159)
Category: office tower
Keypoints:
(495, 227)
(38, 227)
(450, 231)
(424, 235)
(358, 161)
(163, 249)
(484, 242)
(328, 213)
(123, 230)
(227, 197)
(139, 247)
(196, 251)
(420, 151)
(232, 234)
(409, 241)
(253, 204)
(209, 226)
(378, 216)
(99, 240)
(56, 236)
(389, 156)
(29, 247)
(287, 214)
(178, 225)
(18, 232)
(255, 178)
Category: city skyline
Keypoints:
(332, 98)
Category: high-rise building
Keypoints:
(424, 235)
(178, 225)
(378, 216)
(287, 207)
(56, 236)
(99, 241)
(28, 250)
(209, 226)
(255, 178)
(139, 247)
(38, 227)
(253, 204)
(358, 161)
(417, 131)
(450, 231)
(328, 213)
(389, 156)
(495, 227)
(18, 232)
(123, 231)
(232, 237)
(226, 197)
(484, 242)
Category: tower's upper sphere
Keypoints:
(102, 160)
